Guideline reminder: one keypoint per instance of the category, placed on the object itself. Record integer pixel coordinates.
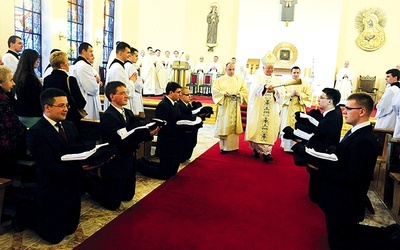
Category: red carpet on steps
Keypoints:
(230, 201)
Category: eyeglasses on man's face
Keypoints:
(349, 108)
(61, 105)
(123, 93)
(321, 97)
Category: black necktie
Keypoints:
(346, 135)
(61, 131)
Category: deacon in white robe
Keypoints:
(263, 109)
(344, 82)
(130, 68)
(82, 70)
(229, 92)
(296, 99)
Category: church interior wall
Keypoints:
(324, 36)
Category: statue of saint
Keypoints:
(212, 31)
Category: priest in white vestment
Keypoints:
(148, 74)
(229, 92)
(200, 69)
(83, 71)
(297, 99)
(345, 82)
(116, 72)
(214, 67)
(161, 70)
(263, 109)
(130, 69)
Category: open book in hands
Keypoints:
(98, 155)
(123, 133)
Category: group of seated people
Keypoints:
(54, 210)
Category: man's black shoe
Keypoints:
(256, 154)
(223, 152)
(268, 158)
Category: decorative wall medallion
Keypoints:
(286, 54)
(370, 23)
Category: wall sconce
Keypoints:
(98, 41)
(99, 37)
(61, 36)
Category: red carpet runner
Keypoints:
(230, 201)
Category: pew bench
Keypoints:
(396, 196)
(3, 184)
(381, 171)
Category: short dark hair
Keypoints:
(149, 47)
(121, 46)
(394, 72)
(133, 50)
(172, 86)
(12, 39)
(295, 67)
(48, 95)
(111, 88)
(363, 100)
(332, 94)
(84, 46)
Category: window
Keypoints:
(108, 36)
(28, 25)
(75, 28)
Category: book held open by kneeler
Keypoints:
(98, 155)
(124, 133)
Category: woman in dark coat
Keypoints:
(28, 88)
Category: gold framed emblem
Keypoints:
(286, 54)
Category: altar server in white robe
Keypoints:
(11, 57)
(116, 72)
(263, 108)
(82, 70)
(345, 82)
(385, 116)
(130, 68)
(229, 92)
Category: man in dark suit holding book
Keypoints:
(55, 212)
(118, 176)
(344, 186)
(189, 136)
(169, 142)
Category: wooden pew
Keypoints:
(381, 171)
(396, 196)
(3, 184)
